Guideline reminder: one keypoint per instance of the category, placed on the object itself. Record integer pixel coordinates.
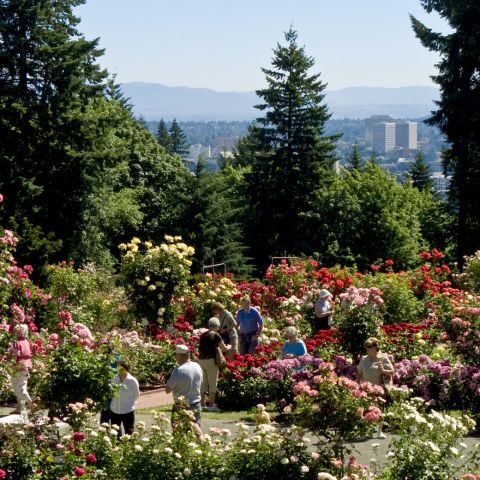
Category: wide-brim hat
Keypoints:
(324, 293)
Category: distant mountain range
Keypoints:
(154, 101)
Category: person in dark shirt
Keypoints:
(209, 341)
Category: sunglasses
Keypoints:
(371, 346)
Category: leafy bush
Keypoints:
(89, 293)
(469, 279)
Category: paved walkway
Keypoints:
(154, 398)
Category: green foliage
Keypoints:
(75, 375)
(457, 114)
(212, 224)
(401, 304)
(361, 217)
(287, 152)
(89, 293)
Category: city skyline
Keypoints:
(204, 44)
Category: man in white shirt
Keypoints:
(123, 403)
(185, 382)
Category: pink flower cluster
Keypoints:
(361, 296)
(9, 238)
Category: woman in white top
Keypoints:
(122, 407)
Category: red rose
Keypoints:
(79, 471)
(91, 458)
(79, 436)
(3, 473)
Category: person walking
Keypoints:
(21, 353)
(250, 324)
(122, 406)
(207, 355)
(185, 383)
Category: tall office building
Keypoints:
(369, 122)
(406, 135)
(383, 137)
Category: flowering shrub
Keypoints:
(335, 407)
(469, 279)
(359, 319)
(434, 448)
(154, 275)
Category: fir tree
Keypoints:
(420, 173)
(287, 151)
(179, 144)
(163, 136)
(355, 160)
(458, 113)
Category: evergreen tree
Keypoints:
(458, 113)
(211, 219)
(355, 160)
(287, 152)
(48, 75)
(420, 173)
(163, 136)
(179, 144)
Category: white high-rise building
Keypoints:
(406, 135)
(369, 122)
(383, 137)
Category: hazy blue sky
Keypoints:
(223, 44)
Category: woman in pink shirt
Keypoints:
(20, 351)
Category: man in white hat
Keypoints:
(323, 311)
(185, 382)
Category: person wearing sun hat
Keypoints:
(185, 383)
(323, 311)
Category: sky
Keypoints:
(222, 45)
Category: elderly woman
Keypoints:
(293, 347)
(323, 311)
(21, 353)
(207, 352)
(228, 327)
(375, 367)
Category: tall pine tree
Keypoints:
(420, 173)
(287, 151)
(179, 144)
(458, 113)
(163, 136)
(355, 159)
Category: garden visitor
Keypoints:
(105, 412)
(122, 406)
(20, 351)
(376, 368)
(228, 327)
(250, 324)
(185, 383)
(323, 311)
(207, 350)
(293, 347)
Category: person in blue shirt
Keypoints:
(293, 347)
(250, 324)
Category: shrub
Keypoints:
(154, 275)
